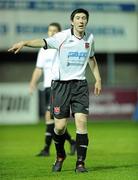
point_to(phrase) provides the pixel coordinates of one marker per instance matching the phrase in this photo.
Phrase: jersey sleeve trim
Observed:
(91, 57)
(45, 47)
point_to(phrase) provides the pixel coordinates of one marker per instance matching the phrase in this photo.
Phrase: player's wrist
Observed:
(24, 43)
(98, 80)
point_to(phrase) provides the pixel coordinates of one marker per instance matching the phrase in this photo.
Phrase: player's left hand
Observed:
(98, 87)
(16, 47)
(32, 88)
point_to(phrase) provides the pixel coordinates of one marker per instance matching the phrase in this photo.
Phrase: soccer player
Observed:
(44, 65)
(75, 48)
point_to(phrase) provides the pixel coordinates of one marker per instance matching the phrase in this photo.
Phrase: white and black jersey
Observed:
(72, 55)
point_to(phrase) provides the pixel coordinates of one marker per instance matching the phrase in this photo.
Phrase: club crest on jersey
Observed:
(87, 45)
(56, 110)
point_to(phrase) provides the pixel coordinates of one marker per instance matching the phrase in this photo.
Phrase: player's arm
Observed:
(34, 80)
(95, 70)
(36, 43)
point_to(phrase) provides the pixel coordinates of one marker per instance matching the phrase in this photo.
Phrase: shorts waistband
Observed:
(73, 80)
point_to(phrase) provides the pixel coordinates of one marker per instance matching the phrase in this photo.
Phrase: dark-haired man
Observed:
(75, 49)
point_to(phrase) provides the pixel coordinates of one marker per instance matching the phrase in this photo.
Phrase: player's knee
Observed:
(47, 116)
(81, 130)
(60, 131)
(81, 126)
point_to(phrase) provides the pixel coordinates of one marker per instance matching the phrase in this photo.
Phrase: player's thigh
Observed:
(80, 98)
(60, 99)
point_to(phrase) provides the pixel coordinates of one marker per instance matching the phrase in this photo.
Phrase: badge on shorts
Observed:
(87, 45)
(56, 110)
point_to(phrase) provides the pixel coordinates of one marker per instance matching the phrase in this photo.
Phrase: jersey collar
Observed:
(72, 33)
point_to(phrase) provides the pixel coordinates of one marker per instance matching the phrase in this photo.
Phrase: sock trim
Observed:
(85, 132)
(48, 134)
(85, 146)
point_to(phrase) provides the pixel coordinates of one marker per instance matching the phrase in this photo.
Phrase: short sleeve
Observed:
(55, 41)
(40, 58)
(92, 49)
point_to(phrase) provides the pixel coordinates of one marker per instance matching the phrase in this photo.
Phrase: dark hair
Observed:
(79, 11)
(56, 25)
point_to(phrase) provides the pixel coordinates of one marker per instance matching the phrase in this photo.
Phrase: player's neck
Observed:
(78, 34)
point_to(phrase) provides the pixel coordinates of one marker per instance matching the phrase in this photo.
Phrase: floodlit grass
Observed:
(112, 153)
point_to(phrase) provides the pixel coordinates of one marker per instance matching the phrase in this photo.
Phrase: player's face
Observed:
(79, 22)
(52, 30)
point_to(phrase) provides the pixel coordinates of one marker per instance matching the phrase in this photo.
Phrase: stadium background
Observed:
(115, 28)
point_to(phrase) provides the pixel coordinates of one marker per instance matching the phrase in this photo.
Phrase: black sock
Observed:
(82, 143)
(49, 136)
(68, 137)
(59, 144)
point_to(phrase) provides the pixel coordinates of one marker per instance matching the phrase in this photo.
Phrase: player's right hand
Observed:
(16, 47)
(97, 89)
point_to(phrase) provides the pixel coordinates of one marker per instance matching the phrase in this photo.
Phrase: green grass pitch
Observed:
(112, 153)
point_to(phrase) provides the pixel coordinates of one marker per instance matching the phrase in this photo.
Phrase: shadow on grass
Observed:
(111, 167)
(99, 168)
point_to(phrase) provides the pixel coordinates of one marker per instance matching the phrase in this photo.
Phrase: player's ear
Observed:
(72, 23)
